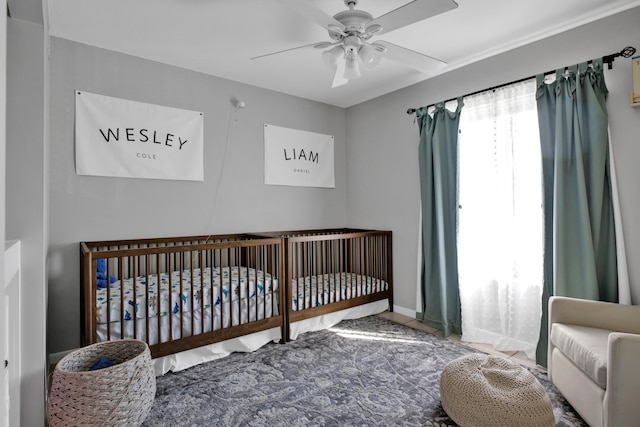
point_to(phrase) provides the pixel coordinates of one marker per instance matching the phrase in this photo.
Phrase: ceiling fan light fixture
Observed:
(372, 63)
(352, 68)
(332, 56)
(367, 55)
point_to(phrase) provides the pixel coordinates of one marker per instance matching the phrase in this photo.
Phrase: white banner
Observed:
(298, 158)
(118, 137)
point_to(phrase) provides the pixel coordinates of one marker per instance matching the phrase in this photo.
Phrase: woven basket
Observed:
(115, 396)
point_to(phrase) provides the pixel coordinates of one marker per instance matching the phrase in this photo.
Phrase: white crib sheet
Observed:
(335, 287)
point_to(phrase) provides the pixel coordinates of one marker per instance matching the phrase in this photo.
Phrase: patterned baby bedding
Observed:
(335, 287)
(180, 325)
(220, 287)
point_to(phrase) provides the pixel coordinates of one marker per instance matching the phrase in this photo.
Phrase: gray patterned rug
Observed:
(364, 372)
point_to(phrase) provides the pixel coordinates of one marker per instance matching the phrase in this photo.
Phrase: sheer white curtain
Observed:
(500, 235)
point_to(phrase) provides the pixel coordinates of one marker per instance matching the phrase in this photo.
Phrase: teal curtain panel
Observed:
(580, 243)
(438, 160)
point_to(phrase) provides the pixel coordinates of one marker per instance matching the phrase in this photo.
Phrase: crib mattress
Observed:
(213, 286)
(334, 287)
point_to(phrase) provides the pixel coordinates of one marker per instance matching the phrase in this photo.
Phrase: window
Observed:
(500, 234)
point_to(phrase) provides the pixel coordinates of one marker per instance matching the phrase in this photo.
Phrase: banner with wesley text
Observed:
(298, 158)
(129, 139)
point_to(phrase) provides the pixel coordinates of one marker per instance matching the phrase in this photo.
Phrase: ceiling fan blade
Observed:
(411, 58)
(286, 50)
(412, 12)
(338, 76)
(314, 14)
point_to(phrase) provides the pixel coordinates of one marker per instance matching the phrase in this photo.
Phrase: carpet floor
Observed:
(363, 372)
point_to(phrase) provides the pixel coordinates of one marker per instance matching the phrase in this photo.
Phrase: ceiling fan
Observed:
(352, 29)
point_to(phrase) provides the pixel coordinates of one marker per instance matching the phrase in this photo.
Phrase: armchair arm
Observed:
(623, 380)
(594, 314)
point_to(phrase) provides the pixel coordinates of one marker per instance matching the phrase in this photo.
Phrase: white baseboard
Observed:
(404, 311)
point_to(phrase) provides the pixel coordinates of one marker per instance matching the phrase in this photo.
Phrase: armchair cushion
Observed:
(586, 347)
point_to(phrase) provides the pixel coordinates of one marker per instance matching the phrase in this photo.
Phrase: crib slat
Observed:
(146, 300)
(156, 304)
(244, 256)
(255, 281)
(167, 268)
(230, 293)
(361, 265)
(108, 307)
(353, 261)
(219, 287)
(340, 267)
(179, 305)
(189, 300)
(120, 278)
(202, 287)
(170, 269)
(314, 260)
(136, 267)
(306, 274)
(331, 272)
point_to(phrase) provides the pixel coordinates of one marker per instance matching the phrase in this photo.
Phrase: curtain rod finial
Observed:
(628, 52)
(411, 110)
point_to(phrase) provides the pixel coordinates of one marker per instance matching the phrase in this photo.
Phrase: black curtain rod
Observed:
(627, 52)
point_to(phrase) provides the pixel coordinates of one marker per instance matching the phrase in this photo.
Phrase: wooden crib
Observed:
(190, 291)
(330, 270)
(195, 291)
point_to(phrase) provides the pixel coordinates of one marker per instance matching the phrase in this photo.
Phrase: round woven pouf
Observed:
(487, 391)
(119, 395)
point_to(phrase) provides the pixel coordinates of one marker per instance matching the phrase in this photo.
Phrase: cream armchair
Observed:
(594, 359)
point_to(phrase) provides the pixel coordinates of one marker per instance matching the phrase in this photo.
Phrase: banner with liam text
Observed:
(129, 139)
(298, 158)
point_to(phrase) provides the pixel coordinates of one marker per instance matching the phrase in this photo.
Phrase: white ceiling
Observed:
(219, 37)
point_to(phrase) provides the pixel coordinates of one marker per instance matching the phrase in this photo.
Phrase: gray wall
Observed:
(232, 197)
(26, 202)
(382, 139)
